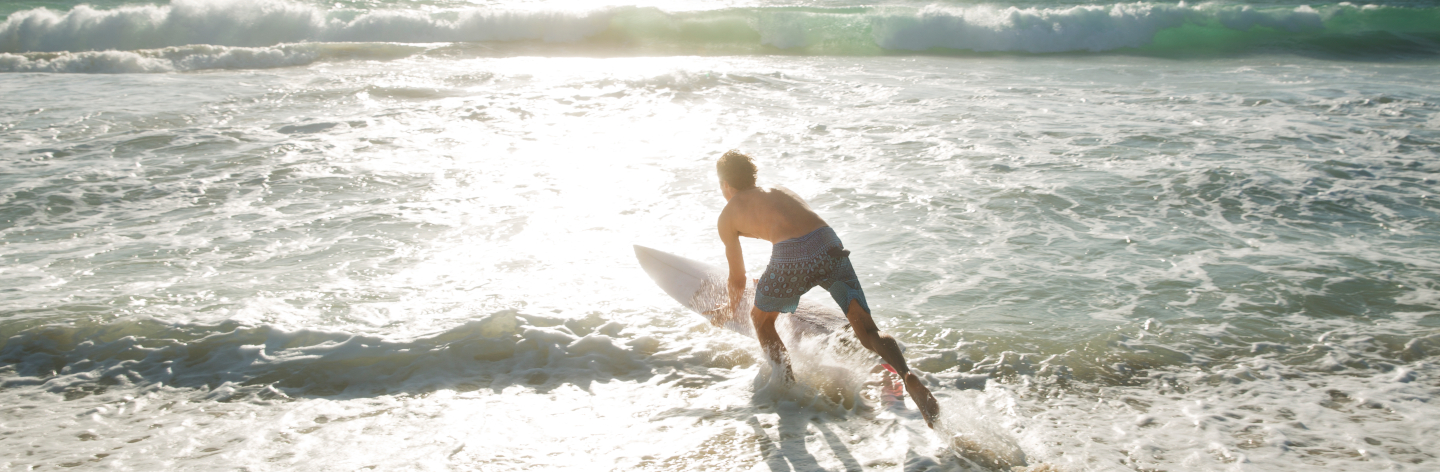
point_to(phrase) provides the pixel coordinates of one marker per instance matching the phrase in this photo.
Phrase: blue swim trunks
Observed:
(796, 265)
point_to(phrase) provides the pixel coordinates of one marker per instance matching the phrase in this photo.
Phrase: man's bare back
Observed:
(773, 214)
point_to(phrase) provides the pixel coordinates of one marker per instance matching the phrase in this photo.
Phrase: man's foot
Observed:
(929, 407)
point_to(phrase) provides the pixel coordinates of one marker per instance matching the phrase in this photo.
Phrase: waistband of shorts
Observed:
(807, 246)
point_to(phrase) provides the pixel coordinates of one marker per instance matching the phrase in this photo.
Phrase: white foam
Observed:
(472, 25)
(104, 61)
(1301, 18)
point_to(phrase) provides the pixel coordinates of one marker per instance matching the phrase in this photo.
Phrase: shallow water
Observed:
(401, 249)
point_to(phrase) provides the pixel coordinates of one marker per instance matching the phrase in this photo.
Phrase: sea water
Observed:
(388, 235)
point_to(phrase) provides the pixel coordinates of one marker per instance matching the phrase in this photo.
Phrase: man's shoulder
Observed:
(777, 194)
(760, 199)
(733, 209)
(772, 193)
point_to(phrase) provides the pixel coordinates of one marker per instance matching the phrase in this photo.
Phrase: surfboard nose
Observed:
(679, 277)
(641, 252)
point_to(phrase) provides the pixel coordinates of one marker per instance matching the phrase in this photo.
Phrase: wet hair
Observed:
(737, 169)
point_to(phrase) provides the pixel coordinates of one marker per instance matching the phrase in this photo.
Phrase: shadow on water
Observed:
(838, 447)
(229, 361)
(782, 440)
(789, 451)
(774, 455)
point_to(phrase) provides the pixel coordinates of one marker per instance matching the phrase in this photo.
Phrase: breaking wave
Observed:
(199, 57)
(501, 349)
(191, 34)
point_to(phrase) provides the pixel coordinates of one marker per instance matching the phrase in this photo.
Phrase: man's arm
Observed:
(736, 286)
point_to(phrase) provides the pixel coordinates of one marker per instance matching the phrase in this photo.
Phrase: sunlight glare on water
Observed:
(282, 235)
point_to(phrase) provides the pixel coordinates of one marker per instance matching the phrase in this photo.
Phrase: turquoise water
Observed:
(1139, 236)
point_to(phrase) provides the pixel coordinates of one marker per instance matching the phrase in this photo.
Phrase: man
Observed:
(806, 253)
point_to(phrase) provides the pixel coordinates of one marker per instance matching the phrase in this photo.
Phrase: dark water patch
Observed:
(307, 128)
(142, 145)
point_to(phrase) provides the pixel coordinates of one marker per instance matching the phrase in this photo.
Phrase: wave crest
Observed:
(272, 22)
(197, 57)
(985, 29)
(1340, 29)
(226, 23)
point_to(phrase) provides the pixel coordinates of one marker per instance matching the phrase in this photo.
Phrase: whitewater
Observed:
(396, 235)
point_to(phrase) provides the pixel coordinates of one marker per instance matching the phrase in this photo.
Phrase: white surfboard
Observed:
(701, 288)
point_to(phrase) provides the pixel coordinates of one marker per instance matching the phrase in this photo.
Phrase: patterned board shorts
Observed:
(797, 265)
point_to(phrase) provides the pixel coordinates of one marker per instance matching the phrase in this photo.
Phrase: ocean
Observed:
(397, 235)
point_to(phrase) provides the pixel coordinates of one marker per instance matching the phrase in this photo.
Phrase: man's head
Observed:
(737, 172)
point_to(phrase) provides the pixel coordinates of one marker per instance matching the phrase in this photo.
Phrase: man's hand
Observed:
(717, 315)
(736, 292)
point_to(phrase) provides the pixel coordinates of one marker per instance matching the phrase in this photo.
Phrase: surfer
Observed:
(806, 253)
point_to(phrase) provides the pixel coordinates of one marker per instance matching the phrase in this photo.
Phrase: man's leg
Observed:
(889, 350)
(770, 339)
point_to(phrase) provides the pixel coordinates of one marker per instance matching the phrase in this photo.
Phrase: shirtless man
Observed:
(806, 253)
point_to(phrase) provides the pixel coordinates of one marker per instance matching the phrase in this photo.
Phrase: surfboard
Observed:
(701, 288)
